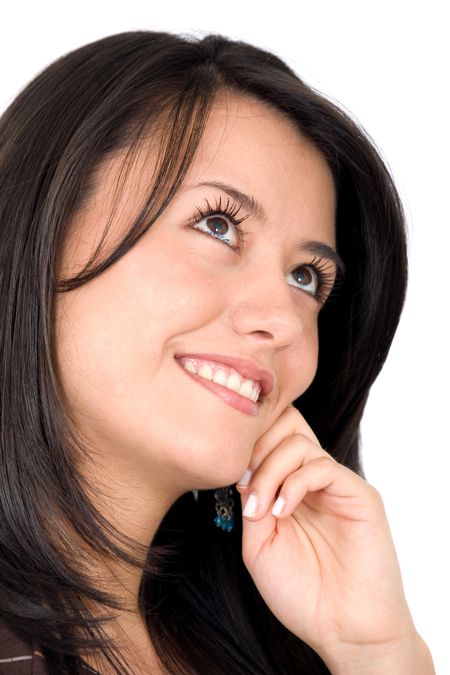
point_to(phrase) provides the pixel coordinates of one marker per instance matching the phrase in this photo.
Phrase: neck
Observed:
(135, 646)
(134, 502)
(136, 508)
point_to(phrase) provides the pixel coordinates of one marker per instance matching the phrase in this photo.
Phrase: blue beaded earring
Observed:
(225, 517)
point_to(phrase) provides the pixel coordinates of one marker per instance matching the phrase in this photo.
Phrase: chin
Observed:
(219, 475)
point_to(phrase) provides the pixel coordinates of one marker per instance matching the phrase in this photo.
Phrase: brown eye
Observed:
(217, 225)
(304, 275)
(307, 279)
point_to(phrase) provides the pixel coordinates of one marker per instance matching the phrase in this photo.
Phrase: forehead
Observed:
(260, 150)
(246, 143)
(239, 123)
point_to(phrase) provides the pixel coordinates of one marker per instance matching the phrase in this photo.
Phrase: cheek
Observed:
(313, 361)
(113, 330)
(170, 294)
(304, 363)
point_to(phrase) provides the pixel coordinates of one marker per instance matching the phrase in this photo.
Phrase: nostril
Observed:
(264, 334)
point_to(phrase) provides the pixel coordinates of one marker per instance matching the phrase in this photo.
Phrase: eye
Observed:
(219, 222)
(218, 227)
(307, 277)
(316, 278)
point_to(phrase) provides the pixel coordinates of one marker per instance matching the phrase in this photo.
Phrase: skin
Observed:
(155, 433)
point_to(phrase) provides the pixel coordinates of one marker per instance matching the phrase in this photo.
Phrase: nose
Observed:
(263, 306)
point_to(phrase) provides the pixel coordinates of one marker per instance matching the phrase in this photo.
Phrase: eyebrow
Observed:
(256, 209)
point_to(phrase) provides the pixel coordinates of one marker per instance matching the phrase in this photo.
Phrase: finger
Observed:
(318, 474)
(291, 454)
(255, 534)
(336, 480)
(289, 423)
(259, 528)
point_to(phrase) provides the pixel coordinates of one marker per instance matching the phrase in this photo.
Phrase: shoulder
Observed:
(19, 656)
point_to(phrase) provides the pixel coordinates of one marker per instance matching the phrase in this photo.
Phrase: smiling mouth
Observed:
(223, 375)
(238, 392)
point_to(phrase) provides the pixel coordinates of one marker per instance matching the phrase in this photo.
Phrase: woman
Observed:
(203, 265)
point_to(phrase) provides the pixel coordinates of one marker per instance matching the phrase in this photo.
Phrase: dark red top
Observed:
(23, 657)
(19, 657)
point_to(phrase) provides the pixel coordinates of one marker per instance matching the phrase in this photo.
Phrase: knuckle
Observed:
(306, 441)
(257, 449)
(376, 495)
(329, 466)
(289, 482)
(327, 460)
(325, 465)
(259, 481)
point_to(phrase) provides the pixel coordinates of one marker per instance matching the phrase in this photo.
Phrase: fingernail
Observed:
(245, 479)
(278, 506)
(250, 507)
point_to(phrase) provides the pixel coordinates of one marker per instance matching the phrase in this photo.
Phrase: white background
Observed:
(388, 64)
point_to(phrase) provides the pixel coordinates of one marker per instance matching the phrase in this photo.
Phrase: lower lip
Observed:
(232, 398)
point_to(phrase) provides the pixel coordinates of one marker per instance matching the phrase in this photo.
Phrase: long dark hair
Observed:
(203, 611)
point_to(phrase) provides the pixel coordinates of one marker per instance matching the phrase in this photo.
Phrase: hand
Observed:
(327, 566)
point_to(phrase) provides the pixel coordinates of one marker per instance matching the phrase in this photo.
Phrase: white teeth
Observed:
(206, 371)
(234, 382)
(188, 365)
(247, 388)
(220, 377)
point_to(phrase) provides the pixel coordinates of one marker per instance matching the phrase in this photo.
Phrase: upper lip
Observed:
(243, 366)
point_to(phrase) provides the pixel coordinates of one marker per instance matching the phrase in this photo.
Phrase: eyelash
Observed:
(325, 278)
(230, 210)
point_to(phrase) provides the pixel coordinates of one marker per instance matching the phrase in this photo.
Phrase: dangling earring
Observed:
(224, 508)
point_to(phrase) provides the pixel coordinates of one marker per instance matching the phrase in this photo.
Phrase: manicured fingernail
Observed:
(245, 479)
(250, 507)
(278, 506)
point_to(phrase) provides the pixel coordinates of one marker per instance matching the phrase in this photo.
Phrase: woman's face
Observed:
(180, 290)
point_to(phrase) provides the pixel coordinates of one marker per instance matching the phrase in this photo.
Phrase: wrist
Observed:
(410, 655)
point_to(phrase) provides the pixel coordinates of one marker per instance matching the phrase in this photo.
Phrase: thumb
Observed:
(256, 531)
